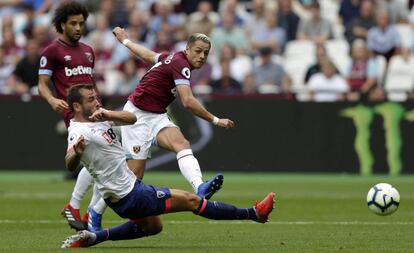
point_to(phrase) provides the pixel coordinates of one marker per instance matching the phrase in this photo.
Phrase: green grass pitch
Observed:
(314, 213)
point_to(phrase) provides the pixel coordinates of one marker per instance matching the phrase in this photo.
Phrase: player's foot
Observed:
(94, 221)
(81, 239)
(264, 207)
(207, 189)
(72, 215)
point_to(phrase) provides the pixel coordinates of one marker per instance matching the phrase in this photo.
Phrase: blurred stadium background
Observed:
(319, 90)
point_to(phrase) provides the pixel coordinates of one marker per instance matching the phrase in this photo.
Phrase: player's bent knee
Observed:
(181, 144)
(185, 143)
(154, 229)
(151, 225)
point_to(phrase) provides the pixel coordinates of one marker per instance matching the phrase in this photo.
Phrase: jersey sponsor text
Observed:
(80, 70)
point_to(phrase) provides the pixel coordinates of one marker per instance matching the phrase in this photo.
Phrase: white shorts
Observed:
(138, 138)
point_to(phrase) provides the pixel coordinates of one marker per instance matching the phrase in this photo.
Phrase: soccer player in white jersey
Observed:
(92, 140)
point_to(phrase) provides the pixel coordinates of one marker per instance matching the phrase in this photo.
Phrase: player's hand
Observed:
(100, 115)
(120, 33)
(59, 105)
(80, 145)
(225, 123)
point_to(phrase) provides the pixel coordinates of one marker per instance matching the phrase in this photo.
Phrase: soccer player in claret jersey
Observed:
(92, 140)
(168, 78)
(65, 62)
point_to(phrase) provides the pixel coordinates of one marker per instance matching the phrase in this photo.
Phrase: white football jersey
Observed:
(104, 157)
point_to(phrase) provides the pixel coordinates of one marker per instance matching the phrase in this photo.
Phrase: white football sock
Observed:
(97, 202)
(83, 182)
(96, 196)
(100, 206)
(190, 168)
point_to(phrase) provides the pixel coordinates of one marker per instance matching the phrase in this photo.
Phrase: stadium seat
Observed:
(268, 89)
(338, 30)
(299, 55)
(202, 89)
(299, 49)
(1, 31)
(337, 47)
(405, 32)
(400, 78)
(338, 51)
(296, 69)
(303, 94)
(342, 62)
(329, 10)
(404, 2)
(112, 80)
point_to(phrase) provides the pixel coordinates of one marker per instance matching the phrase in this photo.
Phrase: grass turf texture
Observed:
(314, 213)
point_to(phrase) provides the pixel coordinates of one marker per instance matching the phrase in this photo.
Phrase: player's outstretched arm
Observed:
(194, 106)
(57, 105)
(118, 117)
(74, 153)
(140, 51)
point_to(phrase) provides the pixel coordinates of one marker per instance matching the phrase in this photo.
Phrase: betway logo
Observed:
(79, 70)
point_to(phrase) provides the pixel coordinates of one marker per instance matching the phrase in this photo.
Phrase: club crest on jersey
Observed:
(43, 61)
(89, 57)
(67, 57)
(186, 72)
(160, 194)
(136, 149)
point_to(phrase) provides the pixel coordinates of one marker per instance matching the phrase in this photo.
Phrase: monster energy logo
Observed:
(392, 114)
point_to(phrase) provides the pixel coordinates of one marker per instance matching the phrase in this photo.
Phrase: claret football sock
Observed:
(222, 211)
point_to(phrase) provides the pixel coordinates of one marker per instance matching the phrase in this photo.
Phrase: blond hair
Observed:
(198, 36)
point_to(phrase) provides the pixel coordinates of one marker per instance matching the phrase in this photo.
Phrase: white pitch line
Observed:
(282, 196)
(183, 222)
(37, 195)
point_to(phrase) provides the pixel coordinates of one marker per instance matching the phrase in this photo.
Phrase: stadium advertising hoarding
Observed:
(270, 135)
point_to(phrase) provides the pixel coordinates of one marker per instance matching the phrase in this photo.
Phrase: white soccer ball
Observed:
(383, 199)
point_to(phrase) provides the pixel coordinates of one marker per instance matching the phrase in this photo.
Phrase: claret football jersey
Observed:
(157, 88)
(67, 65)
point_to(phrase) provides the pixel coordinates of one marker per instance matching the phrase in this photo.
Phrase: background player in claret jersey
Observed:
(66, 62)
(168, 78)
(92, 140)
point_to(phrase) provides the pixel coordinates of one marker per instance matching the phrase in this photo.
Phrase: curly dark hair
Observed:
(68, 9)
